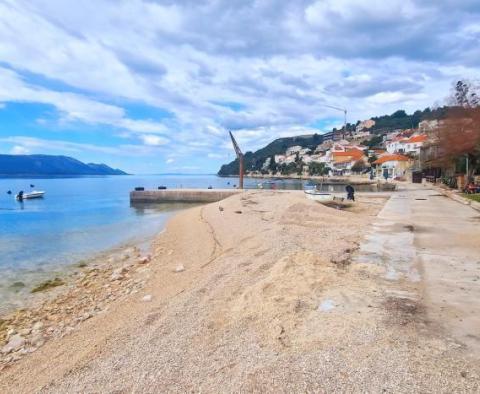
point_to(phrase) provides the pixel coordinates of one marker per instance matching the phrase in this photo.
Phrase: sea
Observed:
(86, 217)
(82, 217)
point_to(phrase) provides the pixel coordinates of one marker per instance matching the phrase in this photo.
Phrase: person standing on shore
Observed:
(350, 192)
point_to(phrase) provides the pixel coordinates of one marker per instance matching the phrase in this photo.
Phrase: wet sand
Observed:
(257, 293)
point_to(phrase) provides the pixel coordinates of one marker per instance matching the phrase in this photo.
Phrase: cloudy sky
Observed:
(153, 86)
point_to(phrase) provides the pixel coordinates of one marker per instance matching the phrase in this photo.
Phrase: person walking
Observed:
(350, 192)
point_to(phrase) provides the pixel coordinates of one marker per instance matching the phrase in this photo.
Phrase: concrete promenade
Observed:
(429, 246)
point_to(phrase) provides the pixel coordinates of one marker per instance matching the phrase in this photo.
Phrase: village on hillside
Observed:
(400, 155)
(396, 156)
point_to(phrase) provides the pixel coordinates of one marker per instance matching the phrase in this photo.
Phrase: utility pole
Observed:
(239, 154)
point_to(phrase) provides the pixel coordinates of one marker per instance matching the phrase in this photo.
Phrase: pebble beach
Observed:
(257, 293)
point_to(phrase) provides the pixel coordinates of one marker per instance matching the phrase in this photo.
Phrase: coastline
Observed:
(108, 279)
(258, 292)
(21, 293)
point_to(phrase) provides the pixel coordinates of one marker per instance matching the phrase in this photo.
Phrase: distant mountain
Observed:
(51, 165)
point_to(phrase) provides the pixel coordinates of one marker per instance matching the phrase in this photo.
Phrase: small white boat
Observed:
(28, 196)
(316, 195)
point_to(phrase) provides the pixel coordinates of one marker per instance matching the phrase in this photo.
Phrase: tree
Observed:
(359, 166)
(317, 169)
(459, 134)
(465, 94)
(272, 165)
(372, 158)
(374, 141)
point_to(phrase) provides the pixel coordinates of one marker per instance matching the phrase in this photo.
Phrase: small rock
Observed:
(239, 212)
(11, 332)
(15, 343)
(25, 331)
(119, 273)
(180, 268)
(147, 298)
(37, 326)
(144, 259)
(37, 340)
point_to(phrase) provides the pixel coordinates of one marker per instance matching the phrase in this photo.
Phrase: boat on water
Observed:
(28, 196)
(266, 184)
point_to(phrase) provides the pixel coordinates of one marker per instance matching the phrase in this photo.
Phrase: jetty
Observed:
(181, 195)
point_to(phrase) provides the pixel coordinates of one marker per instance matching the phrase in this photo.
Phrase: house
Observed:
(293, 150)
(426, 126)
(414, 143)
(366, 124)
(342, 162)
(392, 166)
(401, 144)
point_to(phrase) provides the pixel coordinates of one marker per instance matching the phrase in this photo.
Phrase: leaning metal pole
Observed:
(239, 154)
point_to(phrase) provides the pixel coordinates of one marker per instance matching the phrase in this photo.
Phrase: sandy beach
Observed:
(261, 292)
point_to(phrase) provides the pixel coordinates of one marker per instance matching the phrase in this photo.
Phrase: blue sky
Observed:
(154, 86)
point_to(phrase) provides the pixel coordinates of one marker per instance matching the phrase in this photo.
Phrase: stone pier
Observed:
(181, 195)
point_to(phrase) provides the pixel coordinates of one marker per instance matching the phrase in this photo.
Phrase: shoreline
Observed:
(356, 180)
(260, 292)
(21, 292)
(91, 291)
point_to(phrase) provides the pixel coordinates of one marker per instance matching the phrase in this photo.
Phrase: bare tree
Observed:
(465, 94)
(459, 133)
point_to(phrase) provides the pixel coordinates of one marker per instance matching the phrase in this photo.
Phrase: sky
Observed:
(154, 86)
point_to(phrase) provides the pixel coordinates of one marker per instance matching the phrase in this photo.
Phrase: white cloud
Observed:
(39, 145)
(153, 140)
(262, 69)
(19, 150)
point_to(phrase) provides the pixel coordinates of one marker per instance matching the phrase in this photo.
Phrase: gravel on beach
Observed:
(266, 300)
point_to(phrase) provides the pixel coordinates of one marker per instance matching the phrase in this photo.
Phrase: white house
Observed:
(292, 150)
(391, 166)
(406, 145)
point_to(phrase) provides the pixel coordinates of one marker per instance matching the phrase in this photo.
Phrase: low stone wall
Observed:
(182, 195)
(456, 196)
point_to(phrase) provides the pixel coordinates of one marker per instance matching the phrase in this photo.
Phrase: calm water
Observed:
(83, 216)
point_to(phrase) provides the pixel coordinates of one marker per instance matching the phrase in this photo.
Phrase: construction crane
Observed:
(239, 154)
(344, 114)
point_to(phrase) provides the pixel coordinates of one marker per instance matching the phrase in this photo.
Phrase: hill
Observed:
(254, 160)
(399, 120)
(51, 165)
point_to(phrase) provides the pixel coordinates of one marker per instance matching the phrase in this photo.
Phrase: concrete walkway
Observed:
(429, 247)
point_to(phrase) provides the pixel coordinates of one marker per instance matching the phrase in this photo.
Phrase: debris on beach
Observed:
(48, 284)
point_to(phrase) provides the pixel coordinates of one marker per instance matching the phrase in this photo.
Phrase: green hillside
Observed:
(255, 160)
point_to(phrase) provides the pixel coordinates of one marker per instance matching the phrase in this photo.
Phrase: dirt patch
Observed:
(403, 311)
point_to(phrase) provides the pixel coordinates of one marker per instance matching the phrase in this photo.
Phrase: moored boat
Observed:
(318, 196)
(28, 196)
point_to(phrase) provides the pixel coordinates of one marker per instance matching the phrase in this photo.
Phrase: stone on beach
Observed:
(15, 343)
(118, 273)
(179, 268)
(147, 298)
(144, 259)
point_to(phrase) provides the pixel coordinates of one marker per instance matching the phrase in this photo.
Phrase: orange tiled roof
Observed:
(416, 138)
(350, 153)
(385, 158)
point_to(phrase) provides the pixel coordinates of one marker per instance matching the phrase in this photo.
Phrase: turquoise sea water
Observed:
(80, 217)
